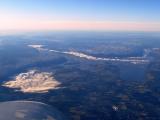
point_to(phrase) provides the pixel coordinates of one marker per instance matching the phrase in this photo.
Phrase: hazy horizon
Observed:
(79, 15)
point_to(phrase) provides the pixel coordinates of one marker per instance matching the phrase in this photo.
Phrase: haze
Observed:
(110, 15)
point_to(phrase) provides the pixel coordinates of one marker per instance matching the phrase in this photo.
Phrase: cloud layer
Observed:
(134, 60)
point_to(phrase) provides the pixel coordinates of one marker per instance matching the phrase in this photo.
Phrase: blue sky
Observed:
(129, 11)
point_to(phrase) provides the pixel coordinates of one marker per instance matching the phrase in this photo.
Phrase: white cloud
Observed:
(134, 60)
(37, 47)
(33, 82)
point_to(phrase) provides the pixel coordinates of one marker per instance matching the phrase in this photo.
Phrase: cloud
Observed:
(37, 47)
(134, 60)
(33, 82)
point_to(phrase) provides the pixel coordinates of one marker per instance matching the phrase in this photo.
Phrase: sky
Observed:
(99, 15)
